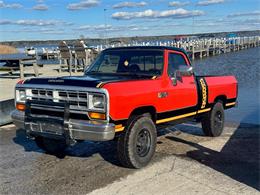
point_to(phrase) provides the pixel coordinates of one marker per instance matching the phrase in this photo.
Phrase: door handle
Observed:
(192, 82)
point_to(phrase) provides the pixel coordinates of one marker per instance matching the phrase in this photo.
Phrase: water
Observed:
(245, 66)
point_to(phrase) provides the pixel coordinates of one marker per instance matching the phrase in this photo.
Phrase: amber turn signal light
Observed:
(96, 115)
(20, 107)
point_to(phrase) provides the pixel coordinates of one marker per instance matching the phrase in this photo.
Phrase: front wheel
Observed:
(213, 122)
(136, 146)
(51, 146)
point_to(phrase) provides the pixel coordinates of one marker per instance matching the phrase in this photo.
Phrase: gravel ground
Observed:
(185, 162)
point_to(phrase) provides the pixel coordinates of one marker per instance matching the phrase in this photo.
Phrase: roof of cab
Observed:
(148, 47)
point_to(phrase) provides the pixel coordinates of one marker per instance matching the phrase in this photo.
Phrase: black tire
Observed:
(136, 146)
(213, 122)
(51, 146)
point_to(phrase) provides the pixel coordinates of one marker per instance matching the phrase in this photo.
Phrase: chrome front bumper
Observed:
(77, 129)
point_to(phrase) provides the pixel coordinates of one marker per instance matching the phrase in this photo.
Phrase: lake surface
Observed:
(245, 65)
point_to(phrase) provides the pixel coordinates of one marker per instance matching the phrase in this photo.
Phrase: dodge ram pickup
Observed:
(123, 95)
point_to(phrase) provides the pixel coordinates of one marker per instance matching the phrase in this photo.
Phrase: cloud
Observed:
(178, 3)
(41, 7)
(34, 22)
(41, 31)
(11, 6)
(252, 22)
(83, 5)
(210, 2)
(128, 4)
(102, 28)
(177, 13)
(242, 14)
(5, 22)
(95, 27)
(227, 22)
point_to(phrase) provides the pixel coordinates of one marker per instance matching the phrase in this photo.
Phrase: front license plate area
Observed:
(48, 126)
(45, 117)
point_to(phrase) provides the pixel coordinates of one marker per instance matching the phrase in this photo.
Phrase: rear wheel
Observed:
(51, 146)
(213, 122)
(136, 146)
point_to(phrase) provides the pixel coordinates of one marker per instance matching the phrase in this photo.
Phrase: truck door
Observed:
(183, 94)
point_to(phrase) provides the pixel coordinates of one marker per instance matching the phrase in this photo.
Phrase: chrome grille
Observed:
(77, 100)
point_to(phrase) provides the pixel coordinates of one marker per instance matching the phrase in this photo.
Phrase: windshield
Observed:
(128, 62)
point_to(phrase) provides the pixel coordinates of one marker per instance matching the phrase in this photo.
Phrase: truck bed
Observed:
(223, 87)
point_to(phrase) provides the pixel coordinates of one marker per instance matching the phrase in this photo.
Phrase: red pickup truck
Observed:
(123, 95)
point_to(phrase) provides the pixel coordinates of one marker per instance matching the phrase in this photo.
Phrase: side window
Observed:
(174, 62)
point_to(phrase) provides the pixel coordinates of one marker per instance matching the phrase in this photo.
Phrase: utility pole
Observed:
(105, 20)
(192, 25)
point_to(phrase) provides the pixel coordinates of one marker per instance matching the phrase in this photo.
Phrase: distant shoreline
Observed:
(98, 41)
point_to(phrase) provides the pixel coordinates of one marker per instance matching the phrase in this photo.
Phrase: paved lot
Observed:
(185, 163)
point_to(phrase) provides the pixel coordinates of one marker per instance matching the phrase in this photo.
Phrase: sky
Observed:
(74, 19)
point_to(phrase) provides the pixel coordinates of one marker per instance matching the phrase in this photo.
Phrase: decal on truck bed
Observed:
(202, 93)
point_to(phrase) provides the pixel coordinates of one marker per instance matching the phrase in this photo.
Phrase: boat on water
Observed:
(49, 53)
(31, 51)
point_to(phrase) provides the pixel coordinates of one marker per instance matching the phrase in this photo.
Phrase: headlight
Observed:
(96, 102)
(20, 96)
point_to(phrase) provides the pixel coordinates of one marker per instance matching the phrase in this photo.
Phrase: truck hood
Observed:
(81, 81)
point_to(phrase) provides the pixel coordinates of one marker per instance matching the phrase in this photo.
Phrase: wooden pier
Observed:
(199, 48)
(206, 47)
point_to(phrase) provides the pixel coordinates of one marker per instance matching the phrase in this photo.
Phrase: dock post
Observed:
(208, 45)
(238, 44)
(193, 52)
(214, 47)
(225, 46)
(201, 48)
(21, 69)
(47, 54)
(75, 63)
(35, 69)
(60, 63)
(70, 65)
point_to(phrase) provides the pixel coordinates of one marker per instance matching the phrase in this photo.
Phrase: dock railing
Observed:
(199, 48)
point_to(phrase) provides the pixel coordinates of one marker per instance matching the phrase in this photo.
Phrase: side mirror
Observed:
(174, 80)
(185, 70)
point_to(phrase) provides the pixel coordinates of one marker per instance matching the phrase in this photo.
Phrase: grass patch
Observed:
(5, 49)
